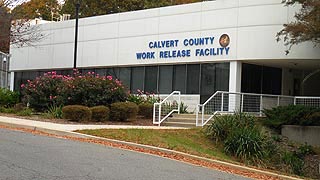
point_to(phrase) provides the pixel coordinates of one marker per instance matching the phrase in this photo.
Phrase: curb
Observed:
(85, 136)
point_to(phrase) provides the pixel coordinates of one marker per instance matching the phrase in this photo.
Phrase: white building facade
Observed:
(195, 48)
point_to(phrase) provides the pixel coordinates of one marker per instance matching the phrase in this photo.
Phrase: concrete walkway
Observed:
(71, 127)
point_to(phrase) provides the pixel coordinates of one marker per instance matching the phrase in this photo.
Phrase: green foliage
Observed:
(296, 163)
(291, 115)
(222, 126)
(239, 135)
(121, 111)
(8, 98)
(25, 112)
(100, 113)
(245, 143)
(55, 111)
(146, 110)
(137, 99)
(7, 110)
(183, 108)
(77, 113)
(143, 97)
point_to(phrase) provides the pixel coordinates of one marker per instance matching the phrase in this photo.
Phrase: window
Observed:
(165, 79)
(137, 79)
(151, 77)
(125, 76)
(208, 78)
(193, 72)
(222, 77)
(114, 72)
(214, 77)
(179, 78)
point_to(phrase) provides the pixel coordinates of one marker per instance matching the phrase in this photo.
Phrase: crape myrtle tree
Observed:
(306, 26)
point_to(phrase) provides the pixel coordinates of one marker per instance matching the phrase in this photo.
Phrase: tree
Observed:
(306, 27)
(44, 9)
(16, 32)
(4, 30)
(100, 7)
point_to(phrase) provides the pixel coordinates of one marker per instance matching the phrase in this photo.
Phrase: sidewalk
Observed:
(71, 127)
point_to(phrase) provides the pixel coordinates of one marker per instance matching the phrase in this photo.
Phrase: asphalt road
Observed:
(26, 156)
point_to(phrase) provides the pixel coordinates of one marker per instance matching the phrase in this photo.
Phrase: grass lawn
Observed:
(192, 141)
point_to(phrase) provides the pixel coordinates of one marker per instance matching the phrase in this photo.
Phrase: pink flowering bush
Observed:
(44, 90)
(93, 90)
(81, 89)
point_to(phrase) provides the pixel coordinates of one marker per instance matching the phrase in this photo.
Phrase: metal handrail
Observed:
(158, 117)
(262, 101)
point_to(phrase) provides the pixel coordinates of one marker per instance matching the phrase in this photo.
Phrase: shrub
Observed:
(44, 91)
(8, 98)
(146, 110)
(222, 126)
(25, 112)
(143, 97)
(55, 111)
(19, 107)
(245, 143)
(239, 135)
(100, 113)
(94, 90)
(88, 89)
(296, 163)
(291, 115)
(183, 108)
(7, 110)
(121, 111)
(76, 113)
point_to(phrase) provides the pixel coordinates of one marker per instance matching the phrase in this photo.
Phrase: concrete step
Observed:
(179, 124)
(175, 115)
(191, 116)
(186, 120)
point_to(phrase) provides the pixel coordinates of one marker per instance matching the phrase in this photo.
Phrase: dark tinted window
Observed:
(165, 79)
(193, 72)
(151, 77)
(125, 76)
(137, 79)
(179, 78)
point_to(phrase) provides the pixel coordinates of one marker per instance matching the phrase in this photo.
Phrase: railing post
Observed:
(241, 108)
(222, 102)
(197, 114)
(202, 115)
(294, 101)
(261, 105)
(179, 102)
(159, 114)
(278, 104)
(154, 113)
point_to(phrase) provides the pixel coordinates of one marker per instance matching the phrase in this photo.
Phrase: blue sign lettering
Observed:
(207, 48)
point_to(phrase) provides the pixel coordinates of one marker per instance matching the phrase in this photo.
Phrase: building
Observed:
(195, 48)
